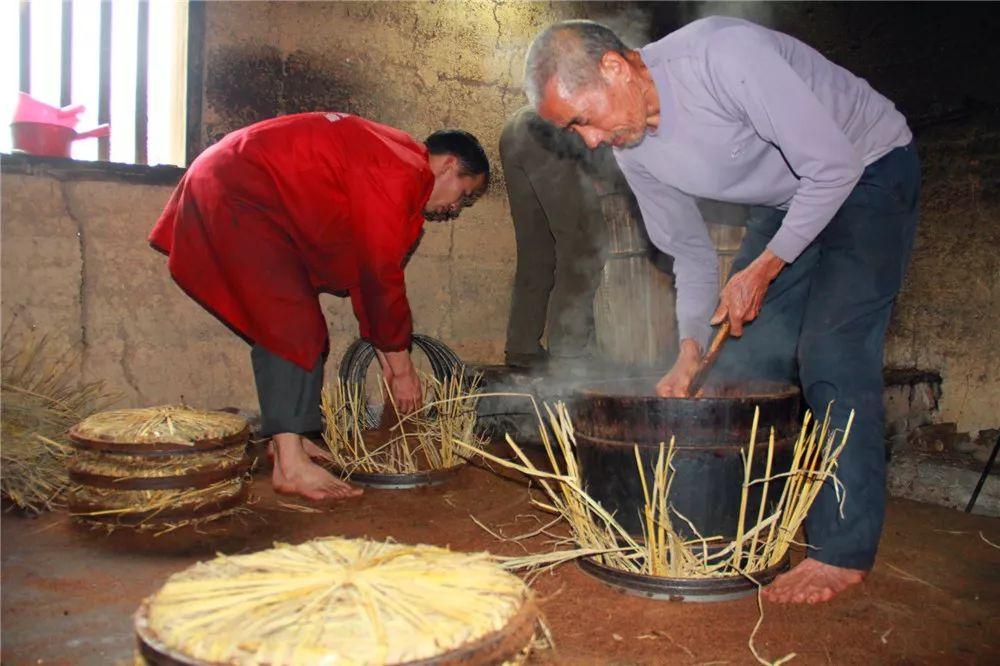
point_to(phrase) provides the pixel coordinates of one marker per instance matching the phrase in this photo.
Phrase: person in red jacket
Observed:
(276, 213)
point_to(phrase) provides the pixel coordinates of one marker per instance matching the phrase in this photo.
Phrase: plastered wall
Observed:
(75, 262)
(418, 66)
(76, 267)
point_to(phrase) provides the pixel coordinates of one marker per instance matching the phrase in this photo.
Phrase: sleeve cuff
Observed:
(392, 347)
(699, 331)
(787, 244)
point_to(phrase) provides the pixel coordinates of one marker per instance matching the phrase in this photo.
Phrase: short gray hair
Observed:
(568, 51)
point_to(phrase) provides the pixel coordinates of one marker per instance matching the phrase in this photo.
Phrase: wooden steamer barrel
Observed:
(726, 239)
(634, 306)
(153, 482)
(612, 417)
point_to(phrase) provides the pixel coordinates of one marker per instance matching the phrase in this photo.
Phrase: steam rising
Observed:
(758, 12)
(633, 25)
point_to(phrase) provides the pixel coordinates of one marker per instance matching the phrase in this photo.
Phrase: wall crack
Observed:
(81, 237)
(126, 360)
(496, 18)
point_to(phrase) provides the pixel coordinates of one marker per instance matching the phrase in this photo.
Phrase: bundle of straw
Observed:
(41, 397)
(421, 441)
(593, 532)
(333, 601)
(168, 424)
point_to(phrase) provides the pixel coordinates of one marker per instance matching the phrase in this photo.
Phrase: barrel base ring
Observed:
(698, 590)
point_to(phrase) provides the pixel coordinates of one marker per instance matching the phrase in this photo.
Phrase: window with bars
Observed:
(126, 61)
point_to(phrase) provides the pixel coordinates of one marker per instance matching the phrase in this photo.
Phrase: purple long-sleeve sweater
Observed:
(749, 115)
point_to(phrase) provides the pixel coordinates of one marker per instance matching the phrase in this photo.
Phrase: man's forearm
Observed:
(696, 272)
(398, 362)
(696, 302)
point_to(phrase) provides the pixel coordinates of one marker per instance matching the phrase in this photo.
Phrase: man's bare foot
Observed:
(315, 451)
(811, 582)
(296, 474)
(312, 449)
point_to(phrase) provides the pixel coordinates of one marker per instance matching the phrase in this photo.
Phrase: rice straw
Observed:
(661, 550)
(334, 600)
(420, 441)
(41, 396)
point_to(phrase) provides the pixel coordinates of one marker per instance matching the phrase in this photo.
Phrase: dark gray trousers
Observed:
(823, 323)
(289, 396)
(561, 247)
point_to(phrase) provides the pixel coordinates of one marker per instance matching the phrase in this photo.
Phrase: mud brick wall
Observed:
(75, 262)
(414, 65)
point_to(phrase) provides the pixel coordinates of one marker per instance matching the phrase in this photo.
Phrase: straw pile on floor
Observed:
(593, 532)
(197, 485)
(421, 441)
(41, 397)
(335, 601)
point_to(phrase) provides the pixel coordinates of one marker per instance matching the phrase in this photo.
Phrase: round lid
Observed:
(335, 601)
(168, 424)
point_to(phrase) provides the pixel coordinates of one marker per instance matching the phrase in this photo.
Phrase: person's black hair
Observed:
(472, 158)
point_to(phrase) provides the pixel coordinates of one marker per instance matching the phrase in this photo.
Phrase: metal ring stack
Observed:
(354, 366)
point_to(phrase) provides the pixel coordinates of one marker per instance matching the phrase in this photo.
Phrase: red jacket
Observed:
(275, 213)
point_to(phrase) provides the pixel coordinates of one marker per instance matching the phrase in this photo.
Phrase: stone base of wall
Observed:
(944, 479)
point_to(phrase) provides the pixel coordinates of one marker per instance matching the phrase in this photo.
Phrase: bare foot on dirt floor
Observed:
(312, 449)
(296, 474)
(811, 582)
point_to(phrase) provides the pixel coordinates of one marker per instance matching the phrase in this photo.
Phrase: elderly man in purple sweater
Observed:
(725, 109)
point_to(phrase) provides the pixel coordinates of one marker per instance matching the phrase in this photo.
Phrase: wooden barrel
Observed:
(727, 241)
(634, 306)
(726, 226)
(611, 418)
(150, 485)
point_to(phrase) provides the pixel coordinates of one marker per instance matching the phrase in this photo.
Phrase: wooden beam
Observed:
(142, 85)
(195, 77)
(104, 81)
(24, 14)
(66, 70)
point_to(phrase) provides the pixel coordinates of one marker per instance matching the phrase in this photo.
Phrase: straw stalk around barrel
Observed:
(423, 440)
(662, 551)
(40, 398)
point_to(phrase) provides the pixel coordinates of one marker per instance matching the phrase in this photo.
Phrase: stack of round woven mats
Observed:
(158, 468)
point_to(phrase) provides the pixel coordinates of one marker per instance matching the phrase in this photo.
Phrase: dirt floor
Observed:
(934, 596)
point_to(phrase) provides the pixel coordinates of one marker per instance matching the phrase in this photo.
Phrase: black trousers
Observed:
(823, 325)
(562, 241)
(289, 396)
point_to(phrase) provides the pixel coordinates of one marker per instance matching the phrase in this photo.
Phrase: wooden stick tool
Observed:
(708, 360)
